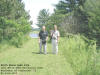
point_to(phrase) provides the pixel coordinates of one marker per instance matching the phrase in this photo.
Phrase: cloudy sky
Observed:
(34, 6)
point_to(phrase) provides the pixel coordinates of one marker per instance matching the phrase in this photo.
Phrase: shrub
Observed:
(80, 53)
(17, 40)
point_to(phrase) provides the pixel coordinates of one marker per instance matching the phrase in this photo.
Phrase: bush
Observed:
(18, 40)
(80, 53)
(12, 31)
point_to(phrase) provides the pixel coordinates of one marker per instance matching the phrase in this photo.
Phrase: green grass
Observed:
(27, 54)
(81, 54)
(98, 63)
(71, 59)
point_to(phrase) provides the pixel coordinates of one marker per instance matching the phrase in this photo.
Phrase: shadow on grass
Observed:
(41, 53)
(36, 52)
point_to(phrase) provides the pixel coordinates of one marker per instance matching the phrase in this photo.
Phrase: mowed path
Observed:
(28, 54)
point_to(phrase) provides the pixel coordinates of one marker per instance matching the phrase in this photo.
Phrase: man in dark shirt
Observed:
(43, 36)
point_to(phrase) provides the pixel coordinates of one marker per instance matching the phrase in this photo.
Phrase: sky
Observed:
(34, 6)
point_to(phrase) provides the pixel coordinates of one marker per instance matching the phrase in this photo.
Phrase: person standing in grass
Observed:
(55, 39)
(43, 36)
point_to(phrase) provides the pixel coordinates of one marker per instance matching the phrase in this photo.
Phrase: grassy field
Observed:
(67, 62)
(28, 54)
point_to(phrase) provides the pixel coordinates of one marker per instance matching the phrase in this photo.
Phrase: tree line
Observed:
(74, 17)
(14, 21)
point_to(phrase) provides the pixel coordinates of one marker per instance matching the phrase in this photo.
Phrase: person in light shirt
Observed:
(55, 39)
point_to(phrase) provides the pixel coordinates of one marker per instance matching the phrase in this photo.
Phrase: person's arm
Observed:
(51, 34)
(39, 38)
(58, 36)
(46, 38)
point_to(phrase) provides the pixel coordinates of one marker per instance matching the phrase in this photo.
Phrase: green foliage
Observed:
(68, 16)
(77, 17)
(67, 6)
(43, 17)
(81, 54)
(92, 8)
(14, 21)
(17, 41)
(54, 19)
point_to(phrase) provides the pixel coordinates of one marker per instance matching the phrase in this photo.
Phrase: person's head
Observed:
(55, 27)
(43, 28)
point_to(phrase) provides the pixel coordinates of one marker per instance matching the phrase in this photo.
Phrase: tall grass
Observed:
(80, 53)
(15, 41)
